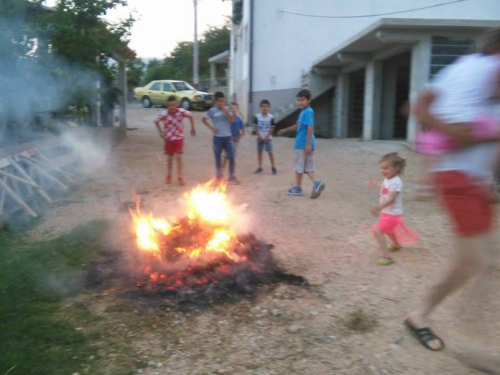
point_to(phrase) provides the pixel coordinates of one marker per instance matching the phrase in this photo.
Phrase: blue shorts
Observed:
(261, 146)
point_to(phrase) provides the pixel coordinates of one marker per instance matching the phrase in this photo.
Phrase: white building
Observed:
(361, 59)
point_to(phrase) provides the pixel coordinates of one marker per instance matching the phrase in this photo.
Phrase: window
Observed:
(156, 86)
(183, 86)
(445, 50)
(167, 87)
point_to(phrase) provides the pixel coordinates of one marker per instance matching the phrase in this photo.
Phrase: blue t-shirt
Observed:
(306, 119)
(220, 121)
(237, 126)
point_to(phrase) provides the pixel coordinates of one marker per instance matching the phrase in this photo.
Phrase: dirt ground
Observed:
(348, 322)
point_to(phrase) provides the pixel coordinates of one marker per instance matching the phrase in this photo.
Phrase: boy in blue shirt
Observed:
(237, 131)
(305, 145)
(222, 117)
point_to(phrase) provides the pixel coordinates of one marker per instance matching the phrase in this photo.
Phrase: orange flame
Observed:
(208, 208)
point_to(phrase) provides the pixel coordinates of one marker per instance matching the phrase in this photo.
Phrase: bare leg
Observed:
(466, 263)
(179, 167)
(298, 179)
(380, 237)
(259, 158)
(394, 241)
(311, 175)
(170, 164)
(271, 158)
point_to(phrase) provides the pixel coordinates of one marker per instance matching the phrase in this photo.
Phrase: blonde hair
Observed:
(489, 42)
(395, 161)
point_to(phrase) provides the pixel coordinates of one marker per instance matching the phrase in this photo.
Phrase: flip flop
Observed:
(424, 336)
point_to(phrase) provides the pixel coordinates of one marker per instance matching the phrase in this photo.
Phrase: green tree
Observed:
(135, 72)
(179, 64)
(85, 42)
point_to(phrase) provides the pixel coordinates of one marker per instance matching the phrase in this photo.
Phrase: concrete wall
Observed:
(239, 60)
(285, 45)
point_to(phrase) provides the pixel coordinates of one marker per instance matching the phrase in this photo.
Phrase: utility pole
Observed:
(196, 58)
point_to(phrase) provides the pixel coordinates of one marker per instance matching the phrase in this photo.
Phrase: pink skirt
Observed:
(394, 225)
(433, 142)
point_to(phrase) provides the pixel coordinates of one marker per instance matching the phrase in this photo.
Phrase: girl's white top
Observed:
(395, 184)
(465, 92)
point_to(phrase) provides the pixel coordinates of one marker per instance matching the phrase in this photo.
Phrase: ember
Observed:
(201, 257)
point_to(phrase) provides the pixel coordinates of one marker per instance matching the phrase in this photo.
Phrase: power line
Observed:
(375, 15)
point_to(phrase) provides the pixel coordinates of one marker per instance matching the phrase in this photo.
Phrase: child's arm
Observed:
(461, 133)
(207, 124)
(310, 131)
(193, 130)
(289, 129)
(390, 201)
(271, 131)
(160, 131)
(229, 114)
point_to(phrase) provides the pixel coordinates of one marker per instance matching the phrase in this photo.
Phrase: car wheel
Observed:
(185, 104)
(146, 102)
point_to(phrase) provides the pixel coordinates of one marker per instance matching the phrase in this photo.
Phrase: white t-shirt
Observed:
(264, 124)
(395, 184)
(464, 94)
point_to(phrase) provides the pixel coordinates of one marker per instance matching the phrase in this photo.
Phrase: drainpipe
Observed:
(250, 76)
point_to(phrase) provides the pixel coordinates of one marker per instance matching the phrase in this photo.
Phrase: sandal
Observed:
(383, 261)
(168, 181)
(181, 182)
(424, 335)
(394, 249)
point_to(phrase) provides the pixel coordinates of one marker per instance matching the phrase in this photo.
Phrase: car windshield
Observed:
(182, 86)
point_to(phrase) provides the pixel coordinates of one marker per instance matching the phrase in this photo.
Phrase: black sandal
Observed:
(424, 335)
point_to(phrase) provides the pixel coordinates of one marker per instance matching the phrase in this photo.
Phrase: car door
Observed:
(154, 93)
(168, 89)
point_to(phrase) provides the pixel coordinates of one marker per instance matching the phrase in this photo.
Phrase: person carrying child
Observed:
(305, 146)
(264, 128)
(173, 135)
(456, 108)
(390, 209)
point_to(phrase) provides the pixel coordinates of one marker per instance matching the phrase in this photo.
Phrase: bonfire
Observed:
(202, 253)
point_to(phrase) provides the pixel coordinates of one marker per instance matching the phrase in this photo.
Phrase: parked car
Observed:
(157, 92)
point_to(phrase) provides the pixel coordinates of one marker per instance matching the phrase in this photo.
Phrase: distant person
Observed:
(390, 209)
(237, 131)
(264, 128)
(221, 116)
(462, 94)
(305, 146)
(173, 135)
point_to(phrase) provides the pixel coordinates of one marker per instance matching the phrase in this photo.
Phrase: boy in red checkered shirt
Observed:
(173, 134)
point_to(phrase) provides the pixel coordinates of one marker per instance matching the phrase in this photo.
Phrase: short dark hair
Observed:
(265, 102)
(304, 93)
(219, 95)
(172, 98)
(234, 103)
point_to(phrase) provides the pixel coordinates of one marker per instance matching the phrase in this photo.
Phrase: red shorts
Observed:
(467, 203)
(174, 147)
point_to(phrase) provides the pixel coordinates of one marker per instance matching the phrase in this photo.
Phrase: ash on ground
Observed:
(197, 286)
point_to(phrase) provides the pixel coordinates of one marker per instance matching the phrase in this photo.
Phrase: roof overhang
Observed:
(391, 36)
(221, 58)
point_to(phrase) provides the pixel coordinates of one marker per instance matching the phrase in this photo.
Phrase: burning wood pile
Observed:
(201, 257)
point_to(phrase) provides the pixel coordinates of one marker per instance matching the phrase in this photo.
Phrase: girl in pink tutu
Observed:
(390, 210)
